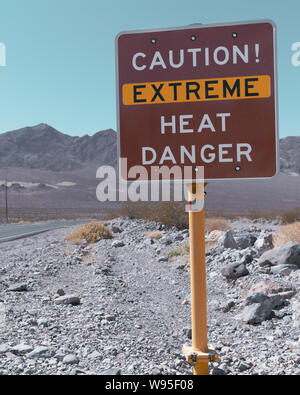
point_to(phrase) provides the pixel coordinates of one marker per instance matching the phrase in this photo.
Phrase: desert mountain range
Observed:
(46, 168)
(45, 148)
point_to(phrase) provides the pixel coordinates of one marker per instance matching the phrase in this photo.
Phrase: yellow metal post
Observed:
(198, 287)
(199, 354)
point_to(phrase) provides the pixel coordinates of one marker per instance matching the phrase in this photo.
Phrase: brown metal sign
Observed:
(202, 95)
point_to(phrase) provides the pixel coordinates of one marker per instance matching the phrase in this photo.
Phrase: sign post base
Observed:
(200, 359)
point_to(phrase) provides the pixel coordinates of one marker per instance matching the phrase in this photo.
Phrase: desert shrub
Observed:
(174, 214)
(290, 232)
(290, 216)
(135, 210)
(154, 235)
(111, 216)
(212, 223)
(170, 214)
(174, 252)
(184, 249)
(166, 213)
(284, 216)
(269, 215)
(92, 232)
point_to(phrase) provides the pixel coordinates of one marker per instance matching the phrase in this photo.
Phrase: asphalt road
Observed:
(10, 232)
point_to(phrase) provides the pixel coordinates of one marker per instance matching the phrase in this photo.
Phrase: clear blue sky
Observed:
(61, 64)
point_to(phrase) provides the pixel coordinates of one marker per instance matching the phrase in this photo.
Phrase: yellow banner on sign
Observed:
(232, 88)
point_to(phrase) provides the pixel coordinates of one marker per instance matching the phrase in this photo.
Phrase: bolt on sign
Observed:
(201, 95)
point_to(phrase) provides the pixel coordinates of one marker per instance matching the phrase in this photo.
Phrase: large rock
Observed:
(286, 254)
(256, 313)
(227, 240)
(264, 242)
(245, 241)
(272, 300)
(259, 307)
(234, 270)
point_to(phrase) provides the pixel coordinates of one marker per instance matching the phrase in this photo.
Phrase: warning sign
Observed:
(204, 95)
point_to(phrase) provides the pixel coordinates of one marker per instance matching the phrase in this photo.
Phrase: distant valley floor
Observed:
(75, 195)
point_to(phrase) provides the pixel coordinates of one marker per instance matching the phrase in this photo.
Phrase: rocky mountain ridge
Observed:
(45, 148)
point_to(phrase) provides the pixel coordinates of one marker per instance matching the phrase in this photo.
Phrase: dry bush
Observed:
(111, 216)
(184, 249)
(75, 240)
(212, 223)
(171, 214)
(135, 210)
(284, 216)
(287, 233)
(174, 252)
(92, 232)
(257, 214)
(290, 216)
(166, 213)
(155, 235)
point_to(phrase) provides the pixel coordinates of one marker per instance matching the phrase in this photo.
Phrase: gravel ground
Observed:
(121, 305)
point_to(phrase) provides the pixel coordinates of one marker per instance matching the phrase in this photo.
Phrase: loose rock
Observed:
(41, 352)
(227, 240)
(286, 254)
(117, 244)
(68, 299)
(264, 242)
(70, 359)
(18, 288)
(234, 271)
